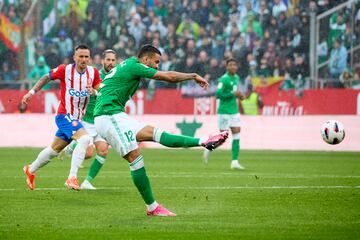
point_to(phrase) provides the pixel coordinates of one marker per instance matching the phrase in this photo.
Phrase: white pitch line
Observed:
(198, 188)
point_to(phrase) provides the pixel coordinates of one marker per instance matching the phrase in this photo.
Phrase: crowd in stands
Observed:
(268, 38)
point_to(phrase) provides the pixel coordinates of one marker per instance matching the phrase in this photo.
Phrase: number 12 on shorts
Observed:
(129, 136)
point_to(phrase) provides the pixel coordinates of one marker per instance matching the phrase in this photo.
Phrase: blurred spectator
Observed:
(263, 70)
(252, 104)
(157, 25)
(38, 71)
(336, 29)
(64, 44)
(278, 7)
(349, 79)
(322, 51)
(264, 15)
(111, 33)
(52, 56)
(7, 74)
(218, 48)
(203, 60)
(204, 13)
(189, 25)
(161, 10)
(96, 61)
(136, 28)
(337, 61)
(277, 69)
(349, 37)
(255, 26)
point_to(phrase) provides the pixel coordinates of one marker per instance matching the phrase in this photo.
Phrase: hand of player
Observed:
(239, 95)
(90, 90)
(201, 81)
(26, 98)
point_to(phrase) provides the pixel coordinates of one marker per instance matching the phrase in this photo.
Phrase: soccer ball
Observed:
(333, 132)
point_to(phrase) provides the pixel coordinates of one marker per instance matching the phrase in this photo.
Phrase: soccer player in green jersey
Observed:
(228, 111)
(123, 133)
(101, 146)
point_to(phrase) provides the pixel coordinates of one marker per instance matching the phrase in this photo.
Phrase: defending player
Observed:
(228, 112)
(78, 81)
(123, 133)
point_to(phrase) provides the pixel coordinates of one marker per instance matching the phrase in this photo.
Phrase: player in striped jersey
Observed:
(77, 82)
(101, 146)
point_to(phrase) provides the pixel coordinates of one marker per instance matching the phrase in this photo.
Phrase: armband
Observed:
(32, 91)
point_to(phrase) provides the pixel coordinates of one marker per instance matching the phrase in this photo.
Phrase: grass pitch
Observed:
(280, 195)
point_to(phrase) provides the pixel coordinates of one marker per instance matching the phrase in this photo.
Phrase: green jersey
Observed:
(119, 86)
(225, 93)
(89, 113)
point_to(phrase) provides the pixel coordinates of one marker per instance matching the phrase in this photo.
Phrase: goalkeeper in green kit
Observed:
(123, 133)
(228, 111)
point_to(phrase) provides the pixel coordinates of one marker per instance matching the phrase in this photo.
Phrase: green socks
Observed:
(235, 149)
(141, 180)
(95, 167)
(171, 140)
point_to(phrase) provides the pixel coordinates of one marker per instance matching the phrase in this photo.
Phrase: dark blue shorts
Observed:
(67, 126)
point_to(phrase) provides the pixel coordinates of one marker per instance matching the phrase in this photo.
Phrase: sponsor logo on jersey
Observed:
(76, 93)
(74, 123)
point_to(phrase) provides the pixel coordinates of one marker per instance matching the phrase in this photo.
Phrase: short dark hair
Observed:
(229, 60)
(148, 49)
(103, 55)
(81, 46)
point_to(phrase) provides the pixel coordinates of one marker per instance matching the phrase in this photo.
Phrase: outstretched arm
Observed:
(175, 77)
(38, 86)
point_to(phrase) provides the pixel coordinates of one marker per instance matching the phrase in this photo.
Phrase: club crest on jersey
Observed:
(74, 123)
(76, 93)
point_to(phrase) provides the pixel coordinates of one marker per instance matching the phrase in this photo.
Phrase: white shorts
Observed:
(225, 121)
(91, 130)
(119, 130)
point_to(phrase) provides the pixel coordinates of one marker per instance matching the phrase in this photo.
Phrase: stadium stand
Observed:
(268, 38)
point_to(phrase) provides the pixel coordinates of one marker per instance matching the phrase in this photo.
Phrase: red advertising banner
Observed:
(170, 101)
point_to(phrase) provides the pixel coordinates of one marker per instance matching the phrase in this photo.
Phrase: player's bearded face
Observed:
(153, 61)
(82, 58)
(109, 61)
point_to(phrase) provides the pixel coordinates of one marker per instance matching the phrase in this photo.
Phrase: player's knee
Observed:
(102, 151)
(131, 156)
(84, 140)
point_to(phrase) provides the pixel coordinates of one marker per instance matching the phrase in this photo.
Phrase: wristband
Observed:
(32, 91)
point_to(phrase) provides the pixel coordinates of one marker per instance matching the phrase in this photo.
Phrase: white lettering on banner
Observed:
(51, 102)
(130, 104)
(136, 107)
(358, 104)
(140, 103)
(204, 106)
(283, 109)
(2, 109)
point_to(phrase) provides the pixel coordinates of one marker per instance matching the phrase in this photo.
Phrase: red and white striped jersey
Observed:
(74, 97)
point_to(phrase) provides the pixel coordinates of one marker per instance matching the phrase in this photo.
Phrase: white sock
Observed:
(79, 154)
(152, 206)
(43, 158)
(157, 134)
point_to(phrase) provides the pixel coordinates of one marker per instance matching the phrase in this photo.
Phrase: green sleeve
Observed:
(221, 92)
(141, 70)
